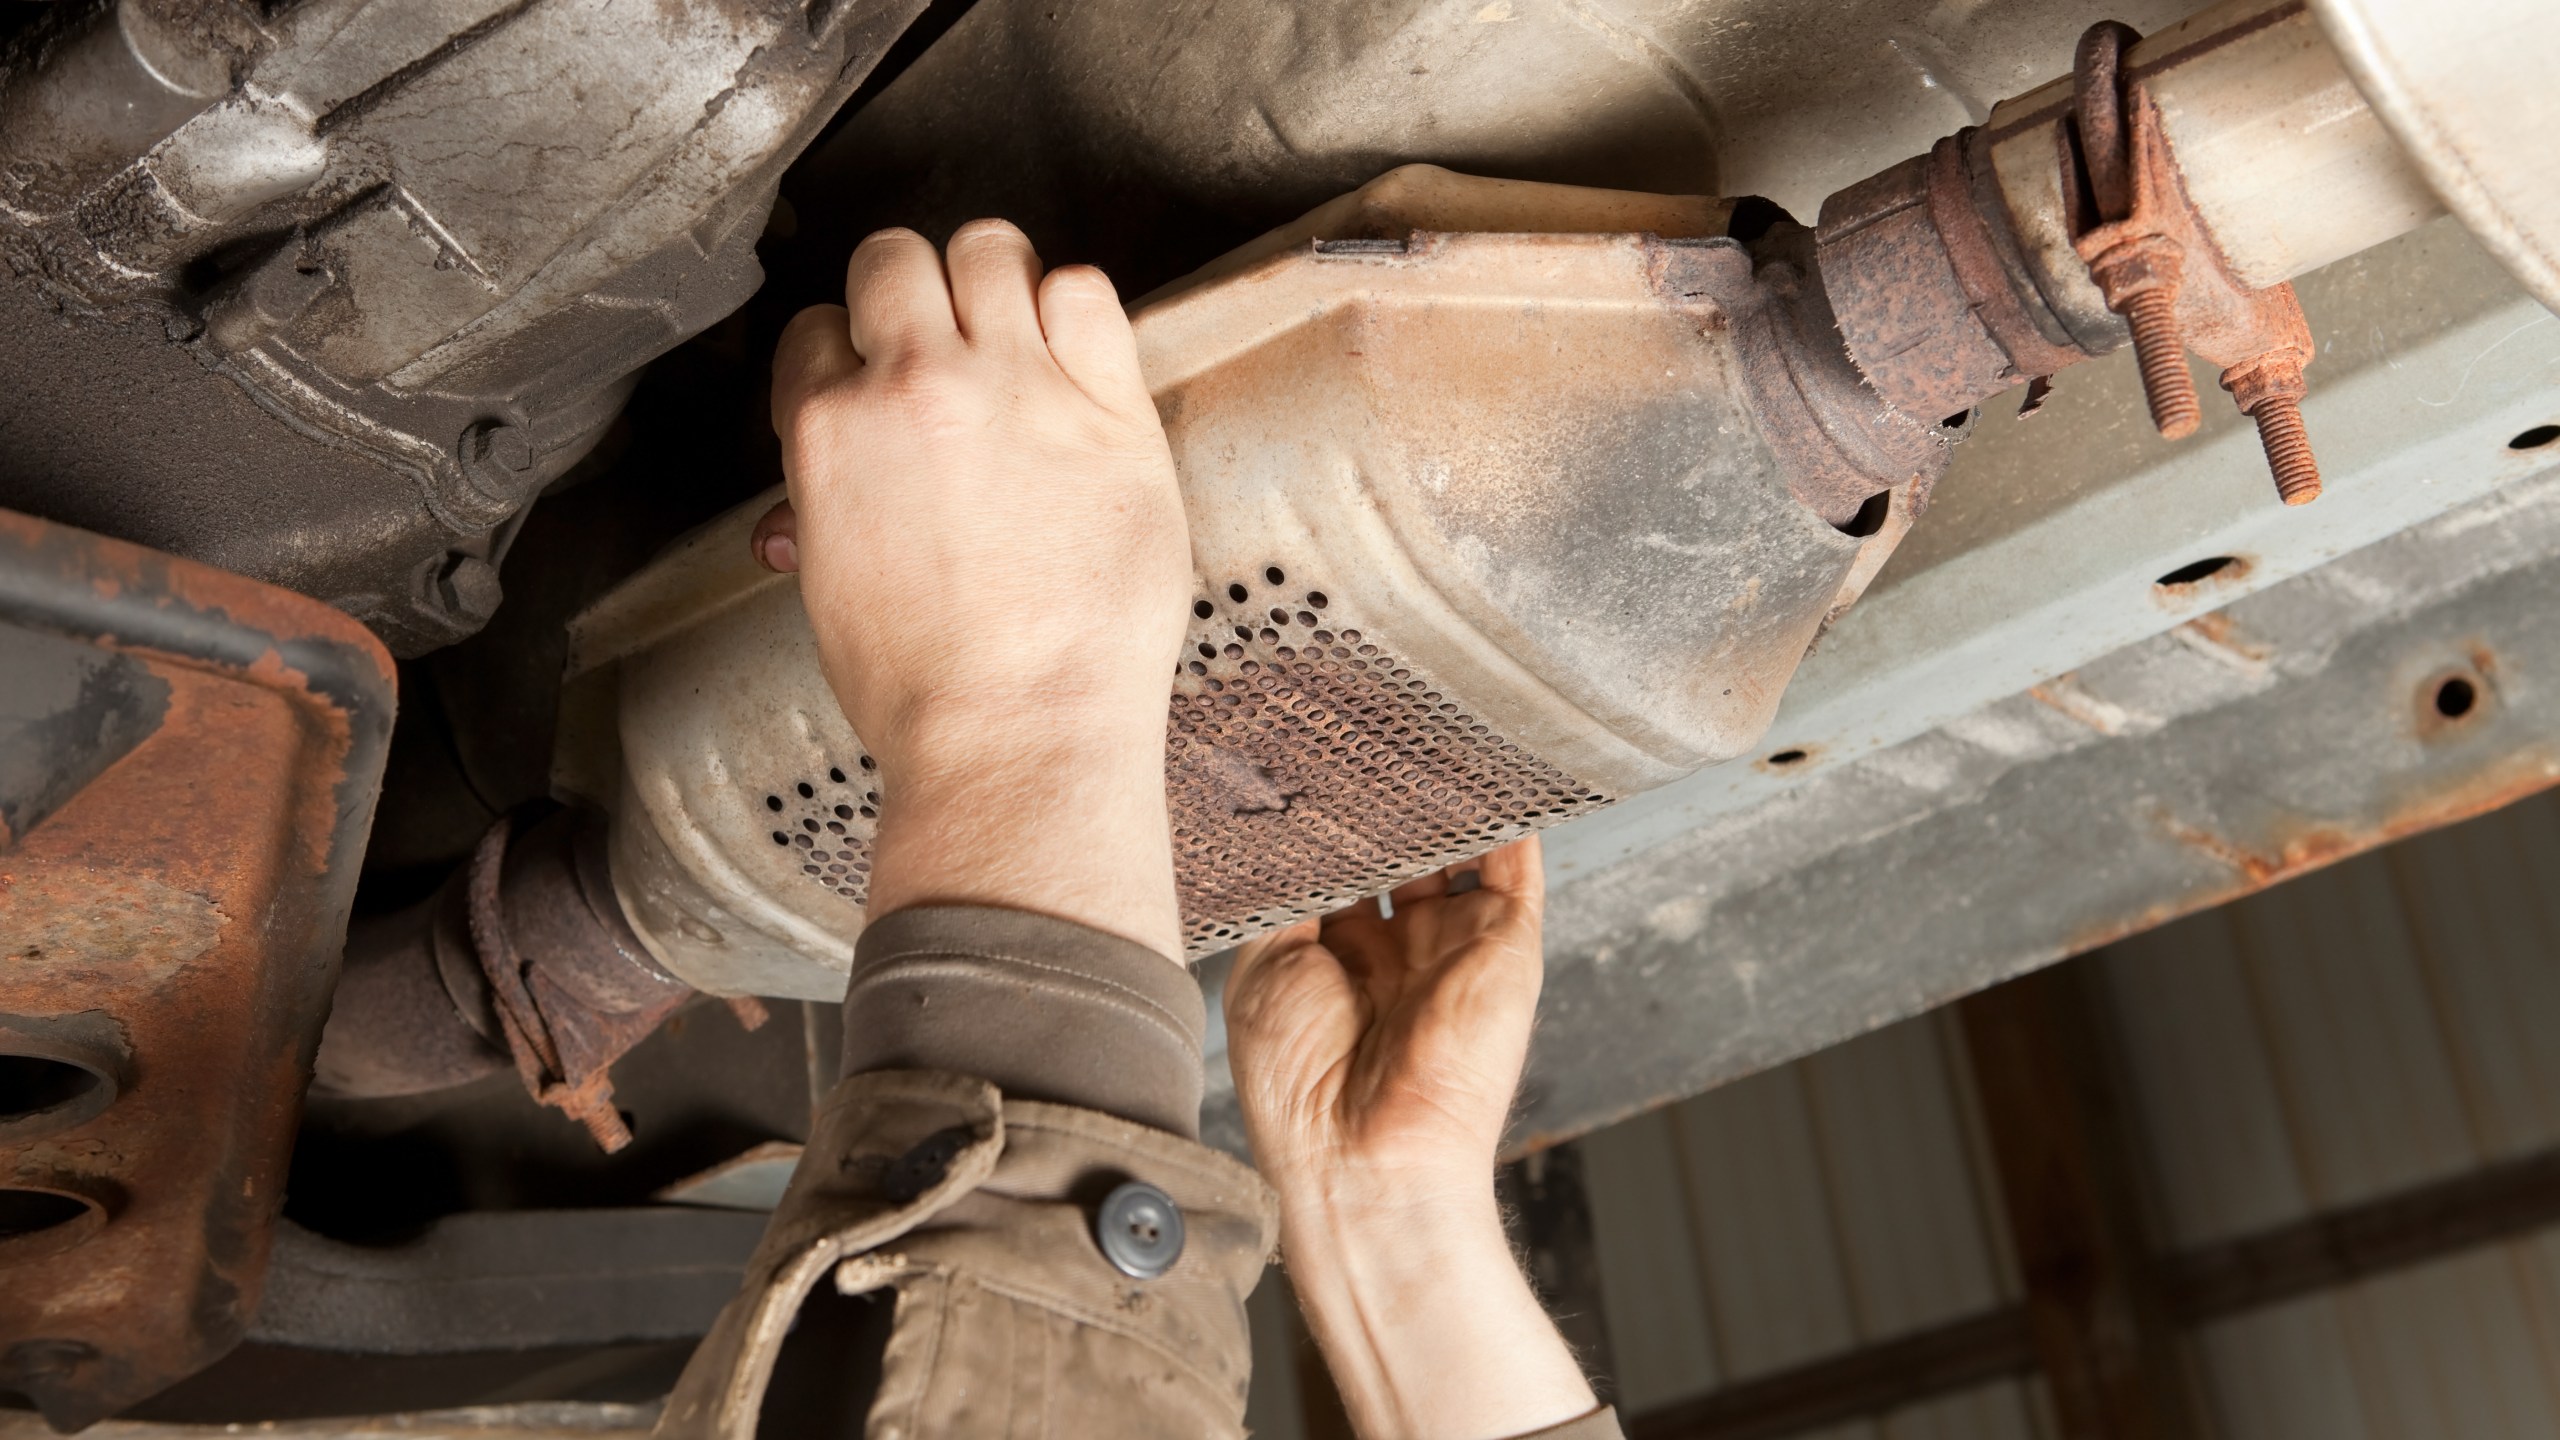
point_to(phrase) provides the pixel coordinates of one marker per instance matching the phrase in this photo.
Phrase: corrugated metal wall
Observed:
(1809, 1210)
(2392, 1020)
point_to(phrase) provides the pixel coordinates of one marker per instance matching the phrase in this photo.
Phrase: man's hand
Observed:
(1368, 1049)
(993, 553)
(1375, 1059)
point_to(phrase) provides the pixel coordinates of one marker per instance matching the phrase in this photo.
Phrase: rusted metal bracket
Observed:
(522, 957)
(2152, 257)
(569, 1010)
(171, 916)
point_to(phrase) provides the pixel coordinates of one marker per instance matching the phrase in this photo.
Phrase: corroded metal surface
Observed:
(1943, 269)
(522, 957)
(173, 929)
(1308, 767)
(2151, 254)
(2182, 772)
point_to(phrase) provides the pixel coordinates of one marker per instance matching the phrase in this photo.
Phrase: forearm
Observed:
(1428, 1327)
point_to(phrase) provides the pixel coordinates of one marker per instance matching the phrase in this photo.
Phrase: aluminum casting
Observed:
(383, 272)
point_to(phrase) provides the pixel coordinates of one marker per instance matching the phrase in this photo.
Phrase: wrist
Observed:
(1429, 1328)
(1065, 818)
(1356, 1194)
(993, 736)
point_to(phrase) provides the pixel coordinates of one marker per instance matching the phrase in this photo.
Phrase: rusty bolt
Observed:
(2269, 390)
(2139, 276)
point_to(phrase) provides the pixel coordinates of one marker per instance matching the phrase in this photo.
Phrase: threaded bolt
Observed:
(2161, 352)
(2288, 448)
(604, 1123)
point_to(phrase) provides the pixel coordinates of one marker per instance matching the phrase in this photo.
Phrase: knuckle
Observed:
(933, 397)
(1081, 281)
(890, 235)
(989, 231)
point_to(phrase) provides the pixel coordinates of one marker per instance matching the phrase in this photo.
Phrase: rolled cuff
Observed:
(1044, 1009)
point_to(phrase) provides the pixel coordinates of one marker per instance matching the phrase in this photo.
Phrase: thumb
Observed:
(776, 541)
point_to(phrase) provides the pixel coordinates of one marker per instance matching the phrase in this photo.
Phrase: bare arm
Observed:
(1376, 1059)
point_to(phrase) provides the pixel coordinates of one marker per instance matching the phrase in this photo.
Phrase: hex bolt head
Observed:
(467, 587)
(495, 456)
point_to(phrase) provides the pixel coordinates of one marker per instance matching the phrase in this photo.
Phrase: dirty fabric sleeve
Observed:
(980, 1213)
(1041, 1008)
(1600, 1424)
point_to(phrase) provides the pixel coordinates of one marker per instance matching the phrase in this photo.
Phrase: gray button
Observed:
(1140, 1229)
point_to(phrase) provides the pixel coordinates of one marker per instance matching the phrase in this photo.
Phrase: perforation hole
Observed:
(1304, 776)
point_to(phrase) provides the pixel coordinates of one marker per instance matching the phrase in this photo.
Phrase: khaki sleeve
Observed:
(1043, 1009)
(1600, 1424)
(980, 1212)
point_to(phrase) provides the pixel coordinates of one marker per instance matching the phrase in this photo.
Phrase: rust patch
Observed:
(190, 901)
(2452, 699)
(1972, 252)
(2299, 849)
(2219, 638)
(568, 987)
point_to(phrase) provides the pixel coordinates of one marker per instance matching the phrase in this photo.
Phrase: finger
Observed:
(1366, 946)
(1354, 924)
(899, 298)
(1420, 888)
(815, 352)
(1251, 955)
(1090, 337)
(1288, 986)
(1519, 869)
(776, 541)
(995, 281)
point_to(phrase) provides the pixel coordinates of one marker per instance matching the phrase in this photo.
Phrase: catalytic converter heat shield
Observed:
(1491, 529)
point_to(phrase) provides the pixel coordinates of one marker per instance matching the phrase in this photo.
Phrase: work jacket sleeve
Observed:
(1012, 1083)
(1600, 1424)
